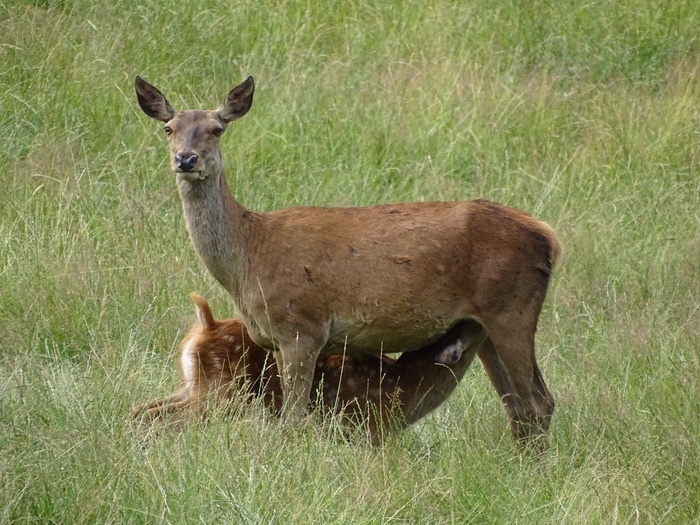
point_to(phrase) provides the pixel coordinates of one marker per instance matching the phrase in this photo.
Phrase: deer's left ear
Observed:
(238, 101)
(153, 102)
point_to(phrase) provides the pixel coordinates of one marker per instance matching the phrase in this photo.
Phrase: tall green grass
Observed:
(584, 114)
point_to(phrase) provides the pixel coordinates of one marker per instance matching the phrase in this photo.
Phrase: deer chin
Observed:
(191, 176)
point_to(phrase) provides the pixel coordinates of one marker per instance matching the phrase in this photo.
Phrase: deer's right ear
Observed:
(153, 102)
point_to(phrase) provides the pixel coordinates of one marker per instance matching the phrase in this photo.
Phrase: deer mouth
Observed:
(191, 176)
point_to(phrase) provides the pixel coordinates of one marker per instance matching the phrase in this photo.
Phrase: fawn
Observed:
(218, 360)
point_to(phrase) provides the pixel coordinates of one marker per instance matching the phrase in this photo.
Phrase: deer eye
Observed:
(217, 132)
(168, 130)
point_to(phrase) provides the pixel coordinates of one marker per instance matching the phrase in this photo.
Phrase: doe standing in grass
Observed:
(390, 278)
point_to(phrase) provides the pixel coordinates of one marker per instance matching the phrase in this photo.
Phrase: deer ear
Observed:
(238, 101)
(153, 102)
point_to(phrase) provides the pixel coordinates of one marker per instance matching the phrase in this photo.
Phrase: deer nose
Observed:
(186, 160)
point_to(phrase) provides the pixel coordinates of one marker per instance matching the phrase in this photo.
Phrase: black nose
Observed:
(186, 160)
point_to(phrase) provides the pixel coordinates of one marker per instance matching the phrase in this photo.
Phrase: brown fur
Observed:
(389, 278)
(382, 395)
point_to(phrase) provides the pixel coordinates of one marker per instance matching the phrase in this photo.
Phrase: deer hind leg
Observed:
(500, 379)
(543, 397)
(171, 407)
(508, 356)
(159, 408)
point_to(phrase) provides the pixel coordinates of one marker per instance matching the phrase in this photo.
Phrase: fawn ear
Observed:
(153, 102)
(238, 101)
(206, 318)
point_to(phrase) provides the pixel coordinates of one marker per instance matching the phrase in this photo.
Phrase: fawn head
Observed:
(194, 135)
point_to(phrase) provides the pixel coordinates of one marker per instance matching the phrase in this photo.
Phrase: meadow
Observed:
(585, 114)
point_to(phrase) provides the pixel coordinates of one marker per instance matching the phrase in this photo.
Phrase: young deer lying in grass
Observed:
(391, 278)
(219, 361)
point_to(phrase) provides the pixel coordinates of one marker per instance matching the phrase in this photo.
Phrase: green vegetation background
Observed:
(583, 113)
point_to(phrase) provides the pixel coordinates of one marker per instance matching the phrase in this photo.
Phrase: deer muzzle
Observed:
(186, 161)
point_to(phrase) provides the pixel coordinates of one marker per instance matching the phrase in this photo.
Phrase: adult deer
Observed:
(386, 278)
(219, 362)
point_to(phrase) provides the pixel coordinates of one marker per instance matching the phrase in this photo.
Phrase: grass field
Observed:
(586, 114)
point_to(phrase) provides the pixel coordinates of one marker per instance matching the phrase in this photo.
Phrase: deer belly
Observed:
(360, 340)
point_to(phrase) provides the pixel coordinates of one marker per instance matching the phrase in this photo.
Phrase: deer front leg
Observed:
(298, 362)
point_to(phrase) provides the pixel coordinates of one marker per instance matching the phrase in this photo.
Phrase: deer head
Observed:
(193, 135)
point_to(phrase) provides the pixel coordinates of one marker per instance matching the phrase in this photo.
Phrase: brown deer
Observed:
(380, 279)
(218, 361)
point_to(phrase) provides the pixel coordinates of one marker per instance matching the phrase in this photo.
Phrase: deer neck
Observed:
(217, 225)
